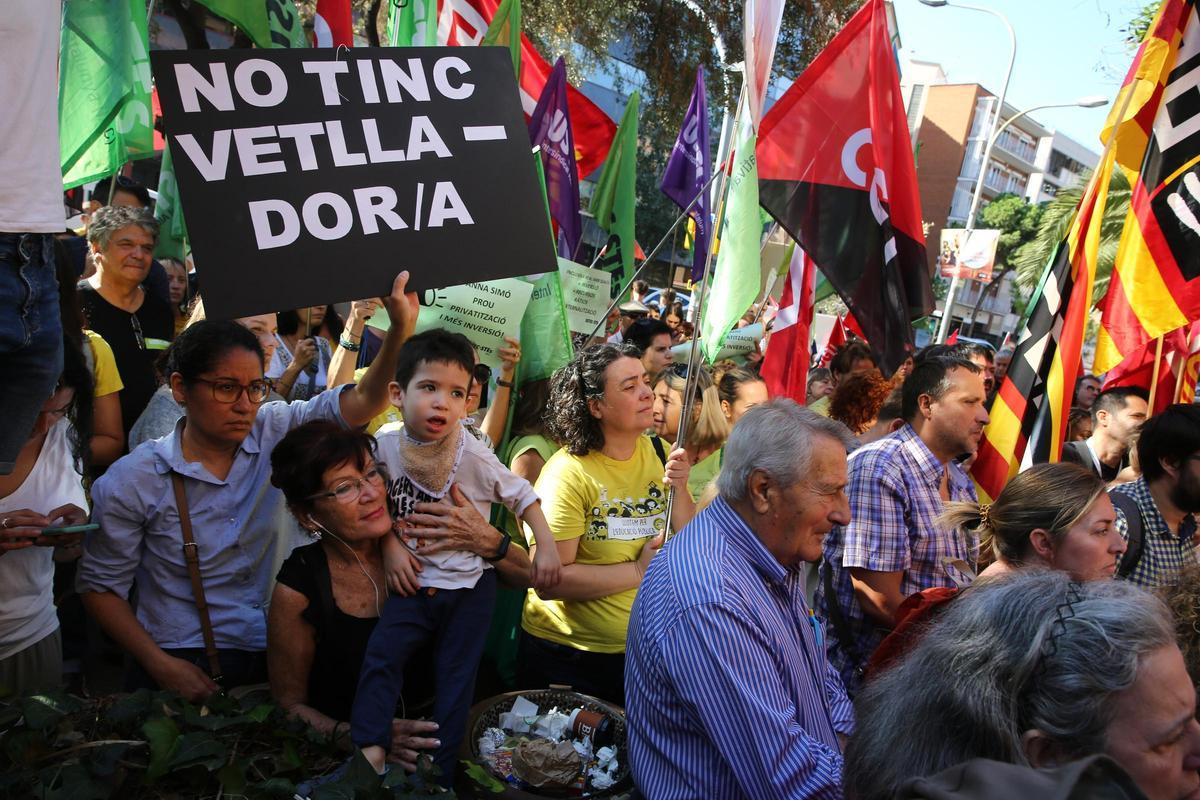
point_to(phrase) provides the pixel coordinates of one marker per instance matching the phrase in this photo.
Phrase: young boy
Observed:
(445, 598)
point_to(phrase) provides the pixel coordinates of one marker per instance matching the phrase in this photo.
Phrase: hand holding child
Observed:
(546, 569)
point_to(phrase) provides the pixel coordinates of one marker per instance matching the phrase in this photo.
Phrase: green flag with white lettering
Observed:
(268, 23)
(104, 84)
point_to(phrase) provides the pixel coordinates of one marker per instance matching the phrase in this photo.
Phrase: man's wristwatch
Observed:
(505, 384)
(502, 550)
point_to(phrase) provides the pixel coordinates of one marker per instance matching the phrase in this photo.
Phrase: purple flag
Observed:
(689, 170)
(550, 128)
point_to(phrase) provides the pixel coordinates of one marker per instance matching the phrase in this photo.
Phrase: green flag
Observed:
(104, 116)
(546, 343)
(412, 23)
(268, 23)
(735, 283)
(172, 233)
(545, 337)
(615, 197)
(505, 31)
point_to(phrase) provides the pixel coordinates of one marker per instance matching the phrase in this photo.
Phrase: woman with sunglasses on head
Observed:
(707, 427)
(207, 482)
(44, 489)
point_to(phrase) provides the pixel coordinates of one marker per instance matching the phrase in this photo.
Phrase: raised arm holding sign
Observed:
(306, 175)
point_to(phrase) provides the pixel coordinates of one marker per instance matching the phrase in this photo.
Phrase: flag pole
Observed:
(1158, 348)
(650, 256)
(1179, 375)
(689, 392)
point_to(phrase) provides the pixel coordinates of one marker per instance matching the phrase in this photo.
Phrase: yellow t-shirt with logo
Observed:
(612, 507)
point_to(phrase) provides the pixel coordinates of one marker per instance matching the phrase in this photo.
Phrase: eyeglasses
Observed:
(482, 373)
(679, 370)
(228, 392)
(349, 490)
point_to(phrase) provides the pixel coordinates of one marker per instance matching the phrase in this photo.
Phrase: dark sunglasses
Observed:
(482, 373)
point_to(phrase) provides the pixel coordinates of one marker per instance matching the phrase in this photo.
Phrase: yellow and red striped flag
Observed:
(1029, 415)
(1155, 285)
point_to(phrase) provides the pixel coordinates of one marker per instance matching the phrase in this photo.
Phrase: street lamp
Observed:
(1091, 101)
(948, 308)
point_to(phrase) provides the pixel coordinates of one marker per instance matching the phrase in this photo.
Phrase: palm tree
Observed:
(1030, 261)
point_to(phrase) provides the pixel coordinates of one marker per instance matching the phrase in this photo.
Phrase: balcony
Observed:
(1015, 148)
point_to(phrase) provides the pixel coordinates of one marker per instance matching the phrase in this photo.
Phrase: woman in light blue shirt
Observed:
(221, 448)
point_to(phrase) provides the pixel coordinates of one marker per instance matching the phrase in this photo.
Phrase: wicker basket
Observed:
(486, 714)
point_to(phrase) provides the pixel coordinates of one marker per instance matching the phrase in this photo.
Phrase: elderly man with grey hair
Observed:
(728, 690)
(137, 324)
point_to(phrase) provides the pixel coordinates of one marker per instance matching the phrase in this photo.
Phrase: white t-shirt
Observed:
(482, 479)
(32, 201)
(27, 613)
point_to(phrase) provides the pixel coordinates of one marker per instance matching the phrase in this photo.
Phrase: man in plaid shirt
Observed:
(892, 547)
(1167, 496)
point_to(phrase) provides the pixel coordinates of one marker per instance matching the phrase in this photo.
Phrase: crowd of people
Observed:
(789, 600)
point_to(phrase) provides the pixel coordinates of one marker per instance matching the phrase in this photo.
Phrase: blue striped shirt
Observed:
(728, 690)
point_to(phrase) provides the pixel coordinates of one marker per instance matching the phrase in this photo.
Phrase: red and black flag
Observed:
(836, 169)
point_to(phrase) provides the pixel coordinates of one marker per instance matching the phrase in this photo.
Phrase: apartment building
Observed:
(949, 126)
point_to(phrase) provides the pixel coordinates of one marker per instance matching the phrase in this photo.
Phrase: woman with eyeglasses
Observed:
(605, 497)
(163, 411)
(707, 427)
(329, 594)
(44, 489)
(208, 482)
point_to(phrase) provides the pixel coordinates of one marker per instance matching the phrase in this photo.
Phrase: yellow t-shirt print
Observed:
(612, 507)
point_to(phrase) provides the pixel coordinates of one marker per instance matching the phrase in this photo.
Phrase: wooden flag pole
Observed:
(1158, 348)
(1182, 368)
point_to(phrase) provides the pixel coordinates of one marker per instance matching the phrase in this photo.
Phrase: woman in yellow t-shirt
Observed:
(605, 497)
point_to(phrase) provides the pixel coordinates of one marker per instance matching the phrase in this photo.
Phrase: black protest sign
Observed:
(315, 176)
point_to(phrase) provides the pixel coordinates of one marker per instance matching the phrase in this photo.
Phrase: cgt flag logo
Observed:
(876, 193)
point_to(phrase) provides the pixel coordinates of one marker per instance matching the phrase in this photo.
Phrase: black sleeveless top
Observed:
(341, 642)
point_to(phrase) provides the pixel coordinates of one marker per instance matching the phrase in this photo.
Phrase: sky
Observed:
(1066, 49)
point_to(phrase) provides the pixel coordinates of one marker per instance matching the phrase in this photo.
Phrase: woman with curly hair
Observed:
(857, 399)
(605, 497)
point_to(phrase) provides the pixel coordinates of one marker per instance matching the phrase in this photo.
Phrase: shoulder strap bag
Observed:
(191, 555)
